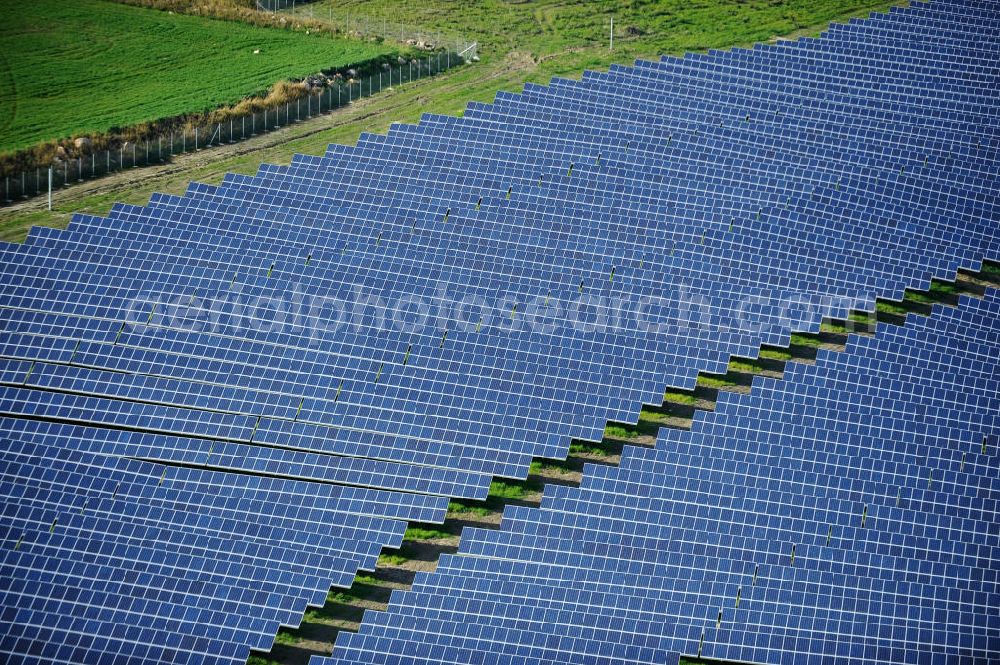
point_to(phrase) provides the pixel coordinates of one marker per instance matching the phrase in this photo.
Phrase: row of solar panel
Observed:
(788, 526)
(640, 184)
(170, 563)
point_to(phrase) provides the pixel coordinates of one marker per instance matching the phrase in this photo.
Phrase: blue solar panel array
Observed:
(255, 385)
(847, 513)
(109, 559)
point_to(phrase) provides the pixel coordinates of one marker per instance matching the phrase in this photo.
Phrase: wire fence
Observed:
(159, 150)
(281, 5)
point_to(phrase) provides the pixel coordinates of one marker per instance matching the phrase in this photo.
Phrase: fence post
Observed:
(133, 155)
(107, 153)
(79, 170)
(50, 188)
(6, 190)
(196, 138)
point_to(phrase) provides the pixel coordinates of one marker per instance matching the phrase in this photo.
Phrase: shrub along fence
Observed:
(159, 150)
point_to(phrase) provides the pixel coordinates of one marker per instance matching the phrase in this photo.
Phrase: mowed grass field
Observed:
(519, 42)
(71, 67)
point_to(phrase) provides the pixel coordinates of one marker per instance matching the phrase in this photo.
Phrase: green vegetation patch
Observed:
(257, 660)
(991, 268)
(945, 288)
(745, 365)
(716, 381)
(921, 298)
(805, 340)
(87, 66)
(581, 448)
(619, 432)
(391, 559)
(341, 596)
(679, 397)
(460, 508)
(420, 533)
(285, 637)
(551, 26)
(861, 321)
(887, 307)
(538, 467)
(502, 489)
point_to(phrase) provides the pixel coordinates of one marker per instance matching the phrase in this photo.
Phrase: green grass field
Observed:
(546, 27)
(83, 66)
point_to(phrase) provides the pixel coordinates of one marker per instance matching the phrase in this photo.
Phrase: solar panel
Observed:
(305, 359)
(845, 512)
